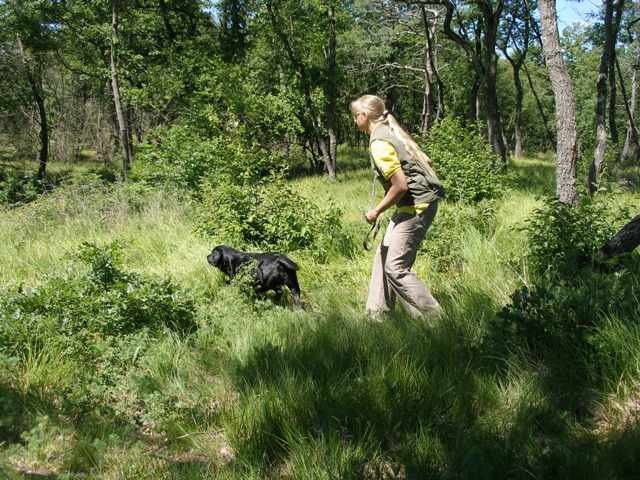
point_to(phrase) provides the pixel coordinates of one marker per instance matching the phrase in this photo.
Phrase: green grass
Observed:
(264, 391)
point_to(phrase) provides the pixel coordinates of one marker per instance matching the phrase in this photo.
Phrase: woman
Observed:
(413, 187)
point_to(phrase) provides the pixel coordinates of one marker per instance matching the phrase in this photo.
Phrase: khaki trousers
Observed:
(391, 276)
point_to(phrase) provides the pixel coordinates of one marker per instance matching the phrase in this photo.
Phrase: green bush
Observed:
(105, 301)
(99, 323)
(562, 237)
(269, 215)
(556, 314)
(464, 161)
(20, 187)
(180, 156)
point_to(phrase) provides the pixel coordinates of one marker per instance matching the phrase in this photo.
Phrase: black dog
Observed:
(271, 272)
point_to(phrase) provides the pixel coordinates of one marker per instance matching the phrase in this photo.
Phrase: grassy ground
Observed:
(263, 391)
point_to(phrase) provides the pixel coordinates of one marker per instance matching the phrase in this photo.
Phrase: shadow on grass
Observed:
(401, 389)
(534, 176)
(429, 398)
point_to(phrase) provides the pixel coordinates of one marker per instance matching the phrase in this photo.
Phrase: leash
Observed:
(371, 235)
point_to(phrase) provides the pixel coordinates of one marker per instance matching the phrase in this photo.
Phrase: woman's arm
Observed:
(398, 188)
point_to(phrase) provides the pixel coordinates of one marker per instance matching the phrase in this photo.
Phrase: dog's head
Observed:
(216, 257)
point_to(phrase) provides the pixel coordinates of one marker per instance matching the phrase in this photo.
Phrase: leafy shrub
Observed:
(269, 215)
(180, 156)
(557, 313)
(464, 161)
(17, 187)
(563, 237)
(104, 173)
(567, 297)
(105, 301)
(101, 321)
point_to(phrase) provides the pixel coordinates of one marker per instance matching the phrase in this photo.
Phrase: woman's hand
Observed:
(372, 216)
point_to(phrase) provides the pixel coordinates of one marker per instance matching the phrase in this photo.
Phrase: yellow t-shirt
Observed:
(387, 161)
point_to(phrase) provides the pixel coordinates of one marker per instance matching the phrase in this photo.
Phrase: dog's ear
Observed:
(216, 257)
(223, 261)
(228, 266)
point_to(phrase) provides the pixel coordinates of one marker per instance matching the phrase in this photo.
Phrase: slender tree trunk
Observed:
(613, 124)
(430, 34)
(43, 156)
(331, 91)
(427, 97)
(490, 67)
(482, 54)
(493, 113)
(516, 65)
(543, 116)
(631, 146)
(567, 144)
(35, 82)
(631, 130)
(474, 108)
(519, 147)
(601, 131)
(426, 116)
(122, 126)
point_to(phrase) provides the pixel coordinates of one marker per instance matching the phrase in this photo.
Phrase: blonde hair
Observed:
(377, 114)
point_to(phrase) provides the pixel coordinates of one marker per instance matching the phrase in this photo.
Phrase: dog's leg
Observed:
(292, 283)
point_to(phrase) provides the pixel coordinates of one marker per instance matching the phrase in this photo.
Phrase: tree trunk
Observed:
(519, 148)
(122, 126)
(433, 61)
(613, 124)
(567, 143)
(331, 92)
(601, 102)
(35, 82)
(490, 67)
(493, 114)
(631, 147)
(474, 108)
(482, 54)
(426, 116)
(427, 97)
(632, 131)
(550, 136)
(516, 65)
(625, 241)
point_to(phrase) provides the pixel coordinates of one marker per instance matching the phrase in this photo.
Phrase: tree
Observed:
(515, 35)
(33, 35)
(481, 20)
(432, 80)
(567, 136)
(320, 129)
(123, 129)
(601, 103)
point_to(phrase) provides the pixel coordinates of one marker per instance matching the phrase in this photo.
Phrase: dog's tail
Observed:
(287, 262)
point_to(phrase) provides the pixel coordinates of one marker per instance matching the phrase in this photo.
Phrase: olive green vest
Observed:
(423, 187)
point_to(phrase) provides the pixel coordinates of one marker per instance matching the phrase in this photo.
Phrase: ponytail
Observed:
(374, 107)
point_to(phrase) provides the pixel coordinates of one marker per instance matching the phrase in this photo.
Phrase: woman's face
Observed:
(361, 120)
